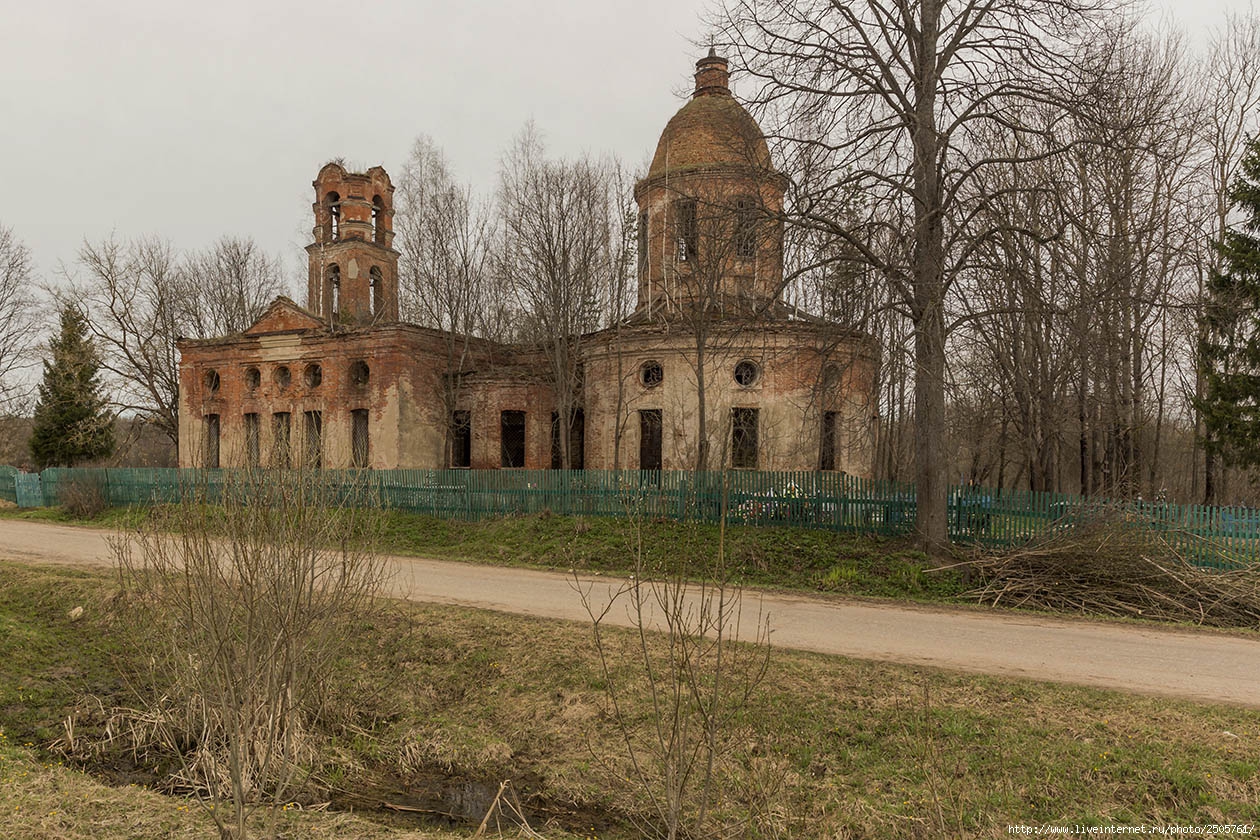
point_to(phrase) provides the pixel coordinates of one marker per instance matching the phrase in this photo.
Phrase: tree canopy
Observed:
(1230, 344)
(72, 422)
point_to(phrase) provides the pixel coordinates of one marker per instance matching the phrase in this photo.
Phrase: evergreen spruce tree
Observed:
(72, 423)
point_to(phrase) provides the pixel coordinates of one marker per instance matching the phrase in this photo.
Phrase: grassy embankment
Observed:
(449, 698)
(788, 558)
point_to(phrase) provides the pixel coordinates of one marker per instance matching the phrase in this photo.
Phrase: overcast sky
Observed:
(191, 120)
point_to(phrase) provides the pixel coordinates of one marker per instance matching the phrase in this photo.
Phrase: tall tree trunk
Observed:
(929, 293)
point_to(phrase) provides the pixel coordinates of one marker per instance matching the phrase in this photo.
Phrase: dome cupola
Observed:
(712, 129)
(709, 232)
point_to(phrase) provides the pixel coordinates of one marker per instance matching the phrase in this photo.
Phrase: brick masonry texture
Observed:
(344, 355)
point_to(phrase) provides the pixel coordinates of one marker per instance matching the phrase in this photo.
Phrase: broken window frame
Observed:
(461, 440)
(360, 439)
(512, 439)
(313, 439)
(744, 443)
(213, 429)
(651, 439)
(686, 229)
(253, 440)
(282, 440)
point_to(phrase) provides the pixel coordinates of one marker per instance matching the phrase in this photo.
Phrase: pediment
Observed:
(283, 315)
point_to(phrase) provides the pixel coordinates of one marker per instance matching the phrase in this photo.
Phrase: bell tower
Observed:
(353, 265)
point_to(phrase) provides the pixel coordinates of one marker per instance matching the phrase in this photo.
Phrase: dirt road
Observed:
(1172, 662)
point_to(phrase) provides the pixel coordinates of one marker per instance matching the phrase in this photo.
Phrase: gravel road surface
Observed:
(1152, 660)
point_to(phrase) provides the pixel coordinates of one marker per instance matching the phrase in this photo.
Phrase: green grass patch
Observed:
(118, 517)
(771, 557)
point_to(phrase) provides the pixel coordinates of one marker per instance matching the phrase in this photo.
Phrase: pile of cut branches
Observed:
(1108, 566)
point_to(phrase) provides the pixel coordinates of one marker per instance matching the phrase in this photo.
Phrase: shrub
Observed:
(244, 612)
(84, 497)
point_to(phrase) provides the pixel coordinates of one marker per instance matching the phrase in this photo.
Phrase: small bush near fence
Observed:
(84, 497)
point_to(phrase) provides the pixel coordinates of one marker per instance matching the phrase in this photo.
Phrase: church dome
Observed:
(710, 130)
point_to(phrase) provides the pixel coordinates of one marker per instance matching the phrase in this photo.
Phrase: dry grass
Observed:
(43, 800)
(831, 748)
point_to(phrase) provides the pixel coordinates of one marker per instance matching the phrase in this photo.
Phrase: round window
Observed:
(313, 376)
(651, 374)
(211, 381)
(359, 373)
(252, 378)
(282, 376)
(747, 373)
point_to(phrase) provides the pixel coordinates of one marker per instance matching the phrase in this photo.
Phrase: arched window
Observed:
(378, 220)
(333, 202)
(377, 289)
(333, 275)
(651, 374)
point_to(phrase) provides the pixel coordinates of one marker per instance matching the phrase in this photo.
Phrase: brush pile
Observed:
(1108, 566)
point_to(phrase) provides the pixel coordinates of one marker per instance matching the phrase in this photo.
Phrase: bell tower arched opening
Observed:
(353, 233)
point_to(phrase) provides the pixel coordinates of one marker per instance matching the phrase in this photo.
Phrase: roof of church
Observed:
(710, 130)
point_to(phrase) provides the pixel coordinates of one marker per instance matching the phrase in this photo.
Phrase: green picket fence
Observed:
(1217, 537)
(8, 484)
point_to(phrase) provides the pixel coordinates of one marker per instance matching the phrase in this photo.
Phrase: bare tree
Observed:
(557, 253)
(1063, 334)
(141, 296)
(224, 288)
(18, 326)
(1131, 243)
(445, 234)
(617, 295)
(130, 295)
(895, 94)
(699, 660)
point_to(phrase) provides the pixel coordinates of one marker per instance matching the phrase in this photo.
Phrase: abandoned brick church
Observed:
(711, 346)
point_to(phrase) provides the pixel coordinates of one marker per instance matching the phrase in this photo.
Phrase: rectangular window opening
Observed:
(685, 228)
(650, 439)
(252, 448)
(281, 454)
(512, 438)
(461, 439)
(643, 245)
(827, 452)
(744, 438)
(314, 433)
(360, 445)
(745, 228)
(212, 441)
(577, 441)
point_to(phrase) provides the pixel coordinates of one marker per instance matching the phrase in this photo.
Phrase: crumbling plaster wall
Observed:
(804, 371)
